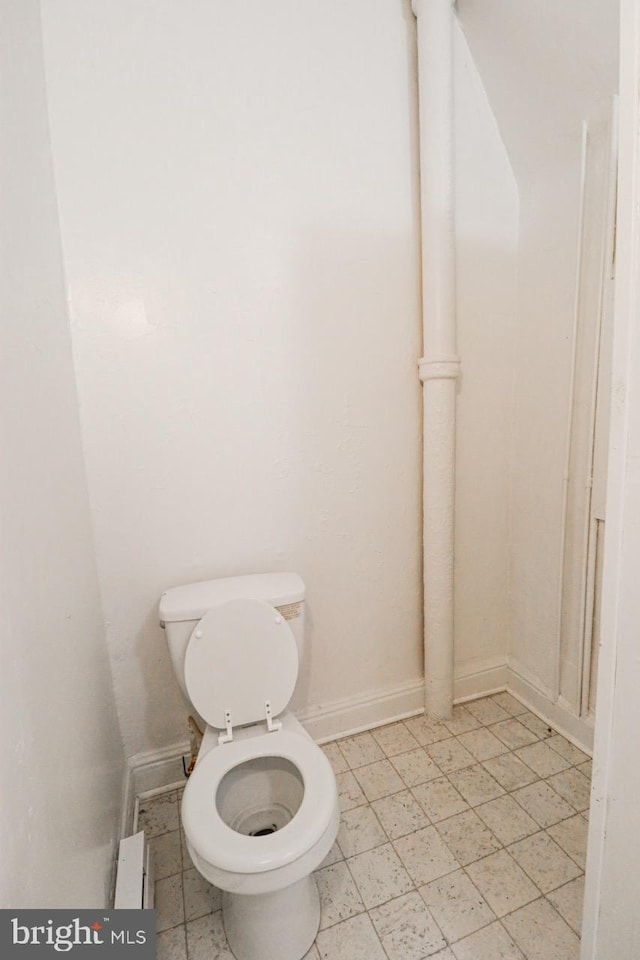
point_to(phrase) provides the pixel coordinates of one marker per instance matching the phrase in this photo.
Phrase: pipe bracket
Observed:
(445, 368)
(415, 4)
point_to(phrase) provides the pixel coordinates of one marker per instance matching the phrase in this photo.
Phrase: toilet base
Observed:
(282, 924)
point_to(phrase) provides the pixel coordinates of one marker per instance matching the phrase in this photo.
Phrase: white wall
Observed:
(546, 67)
(239, 221)
(237, 186)
(487, 211)
(60, 753)
(542, 395)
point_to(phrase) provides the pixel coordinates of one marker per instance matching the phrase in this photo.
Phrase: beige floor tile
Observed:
(571, 835)
(335, 756)
(503, 884)
(169, 905)
(394, 739)
(339, 896)
(159, 815)
(506, 819)
(509, 703)
(513, 734)
(166, 854)
(354, 939)
(476, 785)
(542, 759)
(457, 905)
(540, 727)
(172, 944)
(541, 933)
(490, 943)
(360, 749)
(349, 791)
(586, 768)
(542, 803)
(461, 721)
(396, 790)
(379, 875)
(200, 897)
(568, 901)
(509, 771)
(379, 780)
(482, 744)
(542, 859)
(567, 749)
(400, 814)
(426, 731)
(574, 787)
(335, 854)
(467, 837)
(486, 710)
(450, 755)
(187, 863)
(416, 767)
(406, 928)
(359, 830)
(425, 855)
(206, 939)
(439, 799)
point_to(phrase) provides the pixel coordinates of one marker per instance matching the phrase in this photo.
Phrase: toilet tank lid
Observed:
(192, 601)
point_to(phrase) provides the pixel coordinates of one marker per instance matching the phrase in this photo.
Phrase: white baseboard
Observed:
(149, 772)
(479, 678)
(342, 718)
(575, 729)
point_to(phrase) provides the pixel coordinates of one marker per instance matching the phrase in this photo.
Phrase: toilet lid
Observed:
(241, 655)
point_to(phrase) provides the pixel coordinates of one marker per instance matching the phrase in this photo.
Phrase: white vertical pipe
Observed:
(440, 366)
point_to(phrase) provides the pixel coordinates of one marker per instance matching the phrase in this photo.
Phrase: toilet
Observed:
(260, 810)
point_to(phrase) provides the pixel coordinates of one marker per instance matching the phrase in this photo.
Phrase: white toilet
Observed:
(260, 809)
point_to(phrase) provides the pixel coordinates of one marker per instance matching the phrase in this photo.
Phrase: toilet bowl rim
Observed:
(223, 847)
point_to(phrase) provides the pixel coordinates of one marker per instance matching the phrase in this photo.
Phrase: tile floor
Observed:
(458, 841)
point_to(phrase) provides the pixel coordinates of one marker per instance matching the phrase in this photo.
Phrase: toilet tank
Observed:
(182, 607)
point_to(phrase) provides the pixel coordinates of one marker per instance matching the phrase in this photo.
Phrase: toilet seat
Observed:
(241, 664)
(219, 844)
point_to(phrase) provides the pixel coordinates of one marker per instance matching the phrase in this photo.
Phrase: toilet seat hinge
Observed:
(228, 736)
(272, 725)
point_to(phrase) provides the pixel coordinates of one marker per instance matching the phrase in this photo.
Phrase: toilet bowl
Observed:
(260, 810)
(260, 815)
